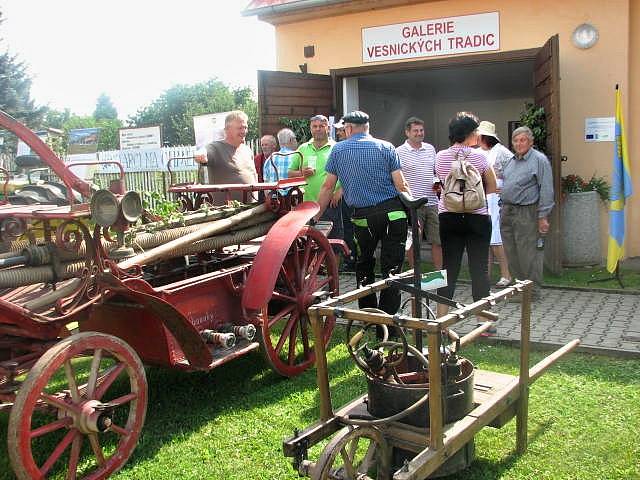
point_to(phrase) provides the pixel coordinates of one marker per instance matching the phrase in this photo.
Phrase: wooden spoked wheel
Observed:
(286, 336)
(354, 453)
(80, 410)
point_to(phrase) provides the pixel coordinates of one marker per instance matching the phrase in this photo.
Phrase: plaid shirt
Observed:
(276, 167)
(363, 164)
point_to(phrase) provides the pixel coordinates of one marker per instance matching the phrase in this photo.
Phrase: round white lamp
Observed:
(585, 36)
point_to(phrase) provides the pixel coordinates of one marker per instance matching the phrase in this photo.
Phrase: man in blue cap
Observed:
(371, 178)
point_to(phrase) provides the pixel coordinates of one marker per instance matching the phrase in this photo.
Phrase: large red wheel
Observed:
(80, 410)
(287, 338)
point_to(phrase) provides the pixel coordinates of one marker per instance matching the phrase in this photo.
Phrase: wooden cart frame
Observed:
(497, 397)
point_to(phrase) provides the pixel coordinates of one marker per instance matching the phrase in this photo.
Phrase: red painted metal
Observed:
(41, 149)
(308, 272)
(267, 282)
(234, 187)
(265, 271)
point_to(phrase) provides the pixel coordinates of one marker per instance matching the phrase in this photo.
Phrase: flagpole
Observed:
(616, 272)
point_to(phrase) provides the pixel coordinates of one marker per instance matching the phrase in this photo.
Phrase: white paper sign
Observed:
(429, 38)
(137, 138)
(600, 129)
(208, 128)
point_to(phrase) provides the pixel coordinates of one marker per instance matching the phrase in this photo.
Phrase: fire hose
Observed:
(143, 240)
(71, 269)
(16, 277)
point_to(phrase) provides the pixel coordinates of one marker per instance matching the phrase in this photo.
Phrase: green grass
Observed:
(230, 423)
(570, 277)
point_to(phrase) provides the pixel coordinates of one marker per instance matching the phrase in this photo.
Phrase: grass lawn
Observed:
(230, 423)
(570, 277)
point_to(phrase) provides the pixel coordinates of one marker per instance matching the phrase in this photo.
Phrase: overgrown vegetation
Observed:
(300, 127)
(534, 117)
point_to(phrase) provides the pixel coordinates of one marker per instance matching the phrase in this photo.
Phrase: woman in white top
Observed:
(496, 154)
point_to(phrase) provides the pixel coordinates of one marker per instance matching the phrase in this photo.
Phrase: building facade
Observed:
(396, 58)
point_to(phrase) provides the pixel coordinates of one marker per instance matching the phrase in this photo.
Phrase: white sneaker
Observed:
(503, 282)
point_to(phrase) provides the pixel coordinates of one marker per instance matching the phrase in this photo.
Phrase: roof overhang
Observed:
(286, 11)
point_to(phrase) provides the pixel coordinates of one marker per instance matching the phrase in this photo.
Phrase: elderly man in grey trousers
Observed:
(527, 201)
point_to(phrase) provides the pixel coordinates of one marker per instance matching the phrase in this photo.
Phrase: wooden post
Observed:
(435, 391)
(326, 410)
(523, 400)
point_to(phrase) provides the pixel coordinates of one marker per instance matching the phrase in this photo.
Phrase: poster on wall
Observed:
(208, 128)
(83, 140)
(24, 149)
(430, 38)
(143, 137)
(600, 129)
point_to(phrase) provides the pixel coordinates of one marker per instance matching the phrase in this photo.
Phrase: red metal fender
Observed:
(266, 265)
(192, 345)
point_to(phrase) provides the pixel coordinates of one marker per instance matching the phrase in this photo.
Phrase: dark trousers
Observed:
(388, 225)
(348, 229)
(334, 215)
(473, 232)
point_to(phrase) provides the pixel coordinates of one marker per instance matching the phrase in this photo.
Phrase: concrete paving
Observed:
(607, 323)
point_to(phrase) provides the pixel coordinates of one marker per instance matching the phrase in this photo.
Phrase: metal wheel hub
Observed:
(94, 417)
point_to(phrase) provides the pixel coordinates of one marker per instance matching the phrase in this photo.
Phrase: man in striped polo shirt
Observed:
(371, 177)
(417, 159)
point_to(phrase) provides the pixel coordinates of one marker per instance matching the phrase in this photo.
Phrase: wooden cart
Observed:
(496, 398)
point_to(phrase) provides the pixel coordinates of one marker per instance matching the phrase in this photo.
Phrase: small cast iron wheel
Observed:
(71, 416)
(354, 453)
(286, 332)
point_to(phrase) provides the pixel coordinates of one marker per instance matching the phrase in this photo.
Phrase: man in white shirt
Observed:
(417, 159)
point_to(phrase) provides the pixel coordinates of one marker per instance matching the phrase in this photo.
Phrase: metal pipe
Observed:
(166, 250)
(50, 298)
(142, 241)
(290, 7)
(16, 277)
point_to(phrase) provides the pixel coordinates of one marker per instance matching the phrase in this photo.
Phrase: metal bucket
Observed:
(387, 398)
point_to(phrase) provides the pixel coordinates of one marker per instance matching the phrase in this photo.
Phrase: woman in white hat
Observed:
(496, 154)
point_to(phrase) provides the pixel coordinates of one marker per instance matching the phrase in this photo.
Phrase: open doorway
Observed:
(495, 86)
(496, 92)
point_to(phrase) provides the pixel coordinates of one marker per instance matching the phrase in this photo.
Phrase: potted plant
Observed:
(581, 219)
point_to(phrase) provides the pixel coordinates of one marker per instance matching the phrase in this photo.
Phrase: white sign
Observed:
(602, 129)
(144, 137)
(24, 149)
(208, 128)
(429, 38)
(142, 160)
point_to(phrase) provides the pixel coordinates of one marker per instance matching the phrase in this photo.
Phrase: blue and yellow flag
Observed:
(620, 190)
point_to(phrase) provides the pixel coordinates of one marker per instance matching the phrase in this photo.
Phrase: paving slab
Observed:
(604, 322)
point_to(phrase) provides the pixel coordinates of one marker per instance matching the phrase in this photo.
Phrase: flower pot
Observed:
(581, 229)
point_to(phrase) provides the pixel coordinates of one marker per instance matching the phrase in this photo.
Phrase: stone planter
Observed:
(581, 229)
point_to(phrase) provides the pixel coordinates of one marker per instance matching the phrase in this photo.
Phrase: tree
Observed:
(15, 91)
(104, 108)
(177, 106)
(56, 118)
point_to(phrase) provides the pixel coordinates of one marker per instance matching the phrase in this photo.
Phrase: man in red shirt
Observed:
(268, 145)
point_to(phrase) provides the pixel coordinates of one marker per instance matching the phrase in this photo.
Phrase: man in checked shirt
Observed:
(371, 178)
